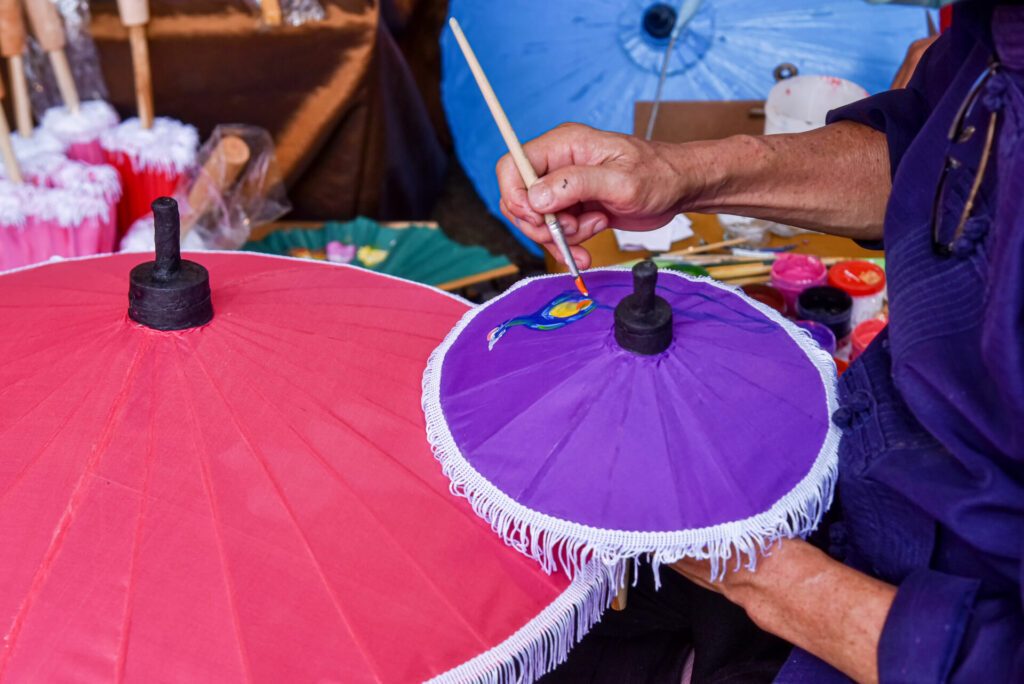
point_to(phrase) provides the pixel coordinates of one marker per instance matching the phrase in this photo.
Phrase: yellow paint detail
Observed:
(569, 309)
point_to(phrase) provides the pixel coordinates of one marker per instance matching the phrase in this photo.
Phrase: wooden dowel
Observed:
(49, 31)
(135, 15)
(143, 75)
(19, 96)
(700, 249)
(12, 46)
(739, 271)
(218, 173)
(271, 11)
(7, 151)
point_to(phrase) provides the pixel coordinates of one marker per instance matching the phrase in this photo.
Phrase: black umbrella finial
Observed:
(643, 320)
(169, 293)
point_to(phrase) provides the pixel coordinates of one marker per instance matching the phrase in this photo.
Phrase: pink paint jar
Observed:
(794, 273)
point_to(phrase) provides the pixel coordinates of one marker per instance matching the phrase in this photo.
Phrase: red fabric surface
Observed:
(139, 188)
(251, 500)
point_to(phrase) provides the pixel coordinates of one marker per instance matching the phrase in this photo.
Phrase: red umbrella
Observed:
(250, 498)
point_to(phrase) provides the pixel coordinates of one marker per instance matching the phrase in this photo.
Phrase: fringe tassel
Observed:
(544, 643)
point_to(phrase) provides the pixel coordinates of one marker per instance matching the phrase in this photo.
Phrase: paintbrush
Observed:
(516, 150)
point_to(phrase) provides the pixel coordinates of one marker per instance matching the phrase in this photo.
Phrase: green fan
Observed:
(417, 252)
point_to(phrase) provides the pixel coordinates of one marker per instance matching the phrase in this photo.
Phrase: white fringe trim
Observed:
(545, 641)
(169, 146)
(555, 542)
(94, 117)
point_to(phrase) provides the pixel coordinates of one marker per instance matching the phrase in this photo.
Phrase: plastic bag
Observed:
(287, 12)
(82, 55)
(235, 187)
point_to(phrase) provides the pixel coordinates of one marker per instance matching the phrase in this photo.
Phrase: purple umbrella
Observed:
(573, 445)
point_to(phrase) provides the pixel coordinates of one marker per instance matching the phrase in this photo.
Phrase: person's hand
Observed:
(593, 180)
(914, 54)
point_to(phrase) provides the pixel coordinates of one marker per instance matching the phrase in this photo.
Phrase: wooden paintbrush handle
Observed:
(218, 173)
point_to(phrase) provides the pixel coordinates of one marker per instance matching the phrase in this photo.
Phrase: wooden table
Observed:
(605, 250)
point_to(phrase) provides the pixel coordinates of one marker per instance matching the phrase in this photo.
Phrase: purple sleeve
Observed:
(943, 628)
(901, 113)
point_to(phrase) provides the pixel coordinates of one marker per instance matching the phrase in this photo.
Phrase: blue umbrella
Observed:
(552, 61)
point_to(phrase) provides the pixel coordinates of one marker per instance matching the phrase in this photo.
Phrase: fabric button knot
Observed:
(995, 93)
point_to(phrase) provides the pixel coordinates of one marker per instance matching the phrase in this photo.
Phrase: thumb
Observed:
(569, 185)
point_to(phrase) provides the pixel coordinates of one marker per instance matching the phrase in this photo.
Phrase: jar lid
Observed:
(859, 278)
(798, 269)
(867, 331)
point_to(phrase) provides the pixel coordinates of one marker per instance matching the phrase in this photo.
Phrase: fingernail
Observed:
(569, 230)
(540, 197)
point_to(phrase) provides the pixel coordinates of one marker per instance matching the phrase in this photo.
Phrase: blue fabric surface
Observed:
(932, 458)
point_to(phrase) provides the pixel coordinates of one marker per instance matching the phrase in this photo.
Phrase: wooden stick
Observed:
(700, 249)
(739, 271)
(271, 10)
(19, 96)
(218, 173)
(752, 280)
(459, 283)
(143, 75)
(12, 46)
(6, 149)
(135, 15)
(49, 31)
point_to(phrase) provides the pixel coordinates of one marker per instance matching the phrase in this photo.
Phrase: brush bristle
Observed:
(581, 287)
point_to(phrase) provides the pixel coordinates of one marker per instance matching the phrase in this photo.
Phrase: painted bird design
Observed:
(564, 309)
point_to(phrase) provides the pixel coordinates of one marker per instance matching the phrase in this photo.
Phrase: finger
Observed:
(513, 192)
(570, 185)
(564, 145)
(538, 234)
(579, 254)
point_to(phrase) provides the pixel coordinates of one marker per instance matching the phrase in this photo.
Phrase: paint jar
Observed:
(865, 283)
(864, 334)
(794, 273)
(800, 103)
(821, 333)
(828, 305)
(767, 295)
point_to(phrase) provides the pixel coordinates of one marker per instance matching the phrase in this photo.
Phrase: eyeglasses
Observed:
(962, 158)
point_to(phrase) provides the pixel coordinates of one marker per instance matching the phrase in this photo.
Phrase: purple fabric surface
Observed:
(716, 429)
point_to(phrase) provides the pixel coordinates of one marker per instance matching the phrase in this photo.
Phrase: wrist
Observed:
(710, 173)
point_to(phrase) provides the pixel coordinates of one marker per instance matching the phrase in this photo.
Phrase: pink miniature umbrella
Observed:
(76, 124)
(238, 488)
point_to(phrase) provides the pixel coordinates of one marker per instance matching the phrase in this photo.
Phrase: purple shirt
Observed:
(932, 457)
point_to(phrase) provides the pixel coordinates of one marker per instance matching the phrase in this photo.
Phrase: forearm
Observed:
(818, 604)
(834, 179)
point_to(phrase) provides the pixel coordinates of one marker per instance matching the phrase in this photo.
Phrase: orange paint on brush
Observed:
(581, 287)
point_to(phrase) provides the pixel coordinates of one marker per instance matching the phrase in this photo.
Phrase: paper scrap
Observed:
(657, 240)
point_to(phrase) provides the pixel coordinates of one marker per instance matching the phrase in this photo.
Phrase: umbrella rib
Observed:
(291, 516)
(129, 604)
(236, 619)
(355, 495)
(68, 516)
